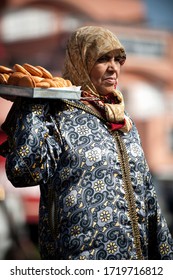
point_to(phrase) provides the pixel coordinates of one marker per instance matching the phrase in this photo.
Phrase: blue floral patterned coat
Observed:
(97, 197)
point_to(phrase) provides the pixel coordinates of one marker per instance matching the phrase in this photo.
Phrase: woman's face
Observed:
(105, 72)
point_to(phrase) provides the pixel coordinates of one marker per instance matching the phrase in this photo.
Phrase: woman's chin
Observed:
(107, 90)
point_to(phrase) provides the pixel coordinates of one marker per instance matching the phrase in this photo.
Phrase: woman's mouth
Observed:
(111, 81)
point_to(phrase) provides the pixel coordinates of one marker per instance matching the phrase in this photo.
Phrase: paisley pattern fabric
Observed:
(84, 209)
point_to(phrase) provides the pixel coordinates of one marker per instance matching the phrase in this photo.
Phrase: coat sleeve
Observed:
(160, 242)
(34, 144)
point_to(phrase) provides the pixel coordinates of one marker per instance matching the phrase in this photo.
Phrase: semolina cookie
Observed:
(6, 76)
(59, 84)
(14, 78)
(20, 68)
(37, 79)
(60, 81)
(45, 72)
(68, 83)
(27, 81)
(4, 69)
(50, 81)
(33, 70)
(43, 84)
(3, 79)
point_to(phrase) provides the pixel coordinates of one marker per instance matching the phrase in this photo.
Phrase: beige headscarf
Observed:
(84, 47)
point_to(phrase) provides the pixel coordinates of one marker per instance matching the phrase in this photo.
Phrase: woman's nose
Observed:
(113, 65)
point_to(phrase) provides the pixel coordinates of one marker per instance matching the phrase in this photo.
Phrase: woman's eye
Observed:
(120, 59)
(102, 59)
(117, 58)
(106, 58)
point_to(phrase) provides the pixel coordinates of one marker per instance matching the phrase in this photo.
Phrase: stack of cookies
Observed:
(27, 75)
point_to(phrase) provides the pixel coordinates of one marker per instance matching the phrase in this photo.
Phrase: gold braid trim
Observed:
(52, 212)
(129, 193)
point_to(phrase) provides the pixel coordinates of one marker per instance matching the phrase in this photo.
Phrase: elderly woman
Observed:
(97, 197)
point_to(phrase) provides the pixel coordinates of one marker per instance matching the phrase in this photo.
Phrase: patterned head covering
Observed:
(84, 47)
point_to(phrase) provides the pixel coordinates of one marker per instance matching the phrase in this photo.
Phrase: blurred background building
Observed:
(36, 31)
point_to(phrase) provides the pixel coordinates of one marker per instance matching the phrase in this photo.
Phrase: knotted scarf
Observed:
(111, 108)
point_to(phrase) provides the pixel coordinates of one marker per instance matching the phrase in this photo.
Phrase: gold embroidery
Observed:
(123, 157)
(52, 213)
